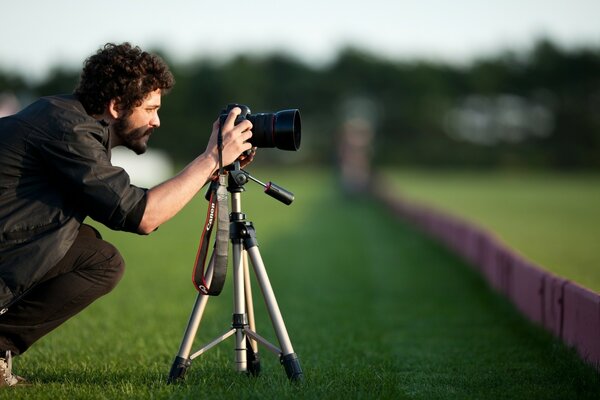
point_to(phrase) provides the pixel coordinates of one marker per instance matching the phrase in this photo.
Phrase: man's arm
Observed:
(165, 200)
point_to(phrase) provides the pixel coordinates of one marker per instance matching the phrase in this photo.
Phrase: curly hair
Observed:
(124, 73)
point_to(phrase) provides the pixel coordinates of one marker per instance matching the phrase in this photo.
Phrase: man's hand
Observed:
(235, 139)
(246, 159)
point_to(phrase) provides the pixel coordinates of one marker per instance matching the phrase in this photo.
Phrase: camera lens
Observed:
(280, 129)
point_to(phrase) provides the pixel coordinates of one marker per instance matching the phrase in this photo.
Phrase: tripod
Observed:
(244, 244)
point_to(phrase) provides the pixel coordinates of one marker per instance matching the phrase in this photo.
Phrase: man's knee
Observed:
(106, 263)
(113, 267)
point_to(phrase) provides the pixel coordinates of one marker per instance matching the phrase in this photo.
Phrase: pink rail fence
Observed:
(569, 311)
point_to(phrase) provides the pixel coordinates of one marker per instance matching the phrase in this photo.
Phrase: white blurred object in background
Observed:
(146, 170)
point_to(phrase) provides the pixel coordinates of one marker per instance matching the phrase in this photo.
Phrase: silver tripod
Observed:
(244, 244)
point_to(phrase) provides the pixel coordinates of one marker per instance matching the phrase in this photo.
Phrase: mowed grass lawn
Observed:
(552, 219)
(374, 310)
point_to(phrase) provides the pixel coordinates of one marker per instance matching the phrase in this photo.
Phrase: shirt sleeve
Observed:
(79, 162)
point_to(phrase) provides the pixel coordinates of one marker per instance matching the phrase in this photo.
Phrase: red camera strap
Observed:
(218, 211)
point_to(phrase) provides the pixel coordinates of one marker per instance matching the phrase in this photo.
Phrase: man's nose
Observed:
(155, 121)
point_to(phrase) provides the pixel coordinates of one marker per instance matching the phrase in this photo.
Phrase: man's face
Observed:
(134, 130)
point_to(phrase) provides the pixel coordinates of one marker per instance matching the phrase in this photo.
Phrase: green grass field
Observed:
(551, 219)
(374, 310)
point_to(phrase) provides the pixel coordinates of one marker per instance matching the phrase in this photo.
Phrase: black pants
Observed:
(90, 269)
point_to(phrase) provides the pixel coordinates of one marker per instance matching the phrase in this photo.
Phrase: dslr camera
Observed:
(280, 129)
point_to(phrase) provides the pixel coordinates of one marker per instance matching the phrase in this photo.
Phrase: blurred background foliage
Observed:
(534, 109)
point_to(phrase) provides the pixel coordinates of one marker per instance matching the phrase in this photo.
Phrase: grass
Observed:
(550, 218)
(374, 311)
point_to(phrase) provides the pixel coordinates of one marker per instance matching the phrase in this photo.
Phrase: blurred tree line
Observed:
(534, 109)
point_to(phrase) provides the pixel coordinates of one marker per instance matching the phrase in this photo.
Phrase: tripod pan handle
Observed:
(279, 193)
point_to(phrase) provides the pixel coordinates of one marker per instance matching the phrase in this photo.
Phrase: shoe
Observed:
(7, 378)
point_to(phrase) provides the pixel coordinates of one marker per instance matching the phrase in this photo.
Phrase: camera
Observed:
(280, 129)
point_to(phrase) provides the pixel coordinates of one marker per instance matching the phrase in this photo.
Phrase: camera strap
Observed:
(217, 205)
(218, 211)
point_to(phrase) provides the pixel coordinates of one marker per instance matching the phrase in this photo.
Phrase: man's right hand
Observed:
(235, 138)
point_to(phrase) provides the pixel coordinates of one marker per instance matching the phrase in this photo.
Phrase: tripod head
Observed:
(239, 177)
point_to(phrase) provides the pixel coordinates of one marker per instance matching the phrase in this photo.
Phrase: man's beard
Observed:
(135, 139)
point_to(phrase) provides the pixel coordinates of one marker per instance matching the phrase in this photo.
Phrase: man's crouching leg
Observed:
(91, 268)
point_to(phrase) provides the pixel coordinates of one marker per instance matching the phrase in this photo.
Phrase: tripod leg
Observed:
(240, 318)
(288, 357)
(182, 360)
(252, 345)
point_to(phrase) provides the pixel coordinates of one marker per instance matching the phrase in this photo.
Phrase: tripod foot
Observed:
(253, 363)
(292, 367)
(178, 369)
(253, 360)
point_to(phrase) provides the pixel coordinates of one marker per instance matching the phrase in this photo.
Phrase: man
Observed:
(55, 171)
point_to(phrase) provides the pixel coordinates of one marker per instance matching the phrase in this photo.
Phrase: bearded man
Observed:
(55, 171)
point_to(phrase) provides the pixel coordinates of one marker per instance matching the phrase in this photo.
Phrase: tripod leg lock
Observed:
(240, 321)
(292, 367)
(178, 369)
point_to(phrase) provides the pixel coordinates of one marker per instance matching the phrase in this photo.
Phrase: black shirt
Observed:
(55, 170)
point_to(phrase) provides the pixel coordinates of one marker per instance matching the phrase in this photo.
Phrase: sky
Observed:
(36, 36)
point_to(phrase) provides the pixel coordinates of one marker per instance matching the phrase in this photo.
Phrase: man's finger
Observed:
(233, 114)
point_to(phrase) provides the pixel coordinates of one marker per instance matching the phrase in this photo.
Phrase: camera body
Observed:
(281, 129)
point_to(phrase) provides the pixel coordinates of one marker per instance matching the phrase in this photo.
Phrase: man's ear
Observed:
(113, 109)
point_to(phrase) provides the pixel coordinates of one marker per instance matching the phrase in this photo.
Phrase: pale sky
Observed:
(38, 35)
